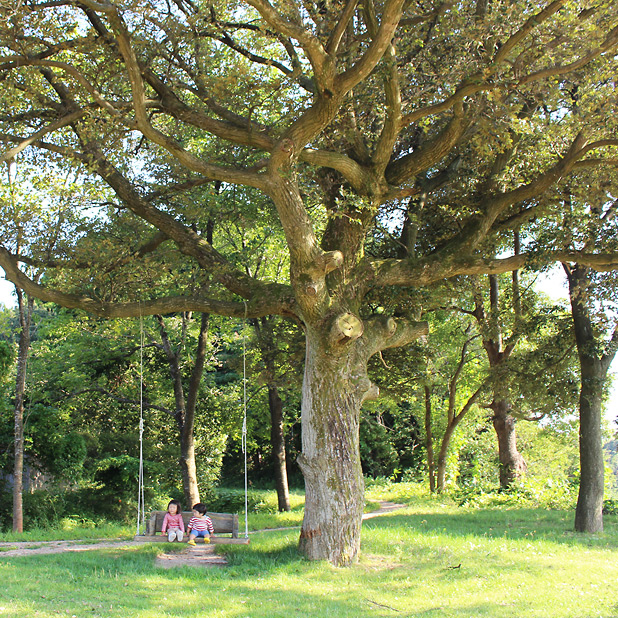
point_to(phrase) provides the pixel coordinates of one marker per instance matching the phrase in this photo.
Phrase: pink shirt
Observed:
(173, 521)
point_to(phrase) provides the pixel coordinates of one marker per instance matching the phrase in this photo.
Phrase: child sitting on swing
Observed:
(200, 525)
(173, 523)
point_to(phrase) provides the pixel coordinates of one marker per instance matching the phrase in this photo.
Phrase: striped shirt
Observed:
(201, 523)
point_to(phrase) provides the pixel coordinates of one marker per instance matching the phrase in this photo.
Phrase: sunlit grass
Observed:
(429, 559)
(286, 519)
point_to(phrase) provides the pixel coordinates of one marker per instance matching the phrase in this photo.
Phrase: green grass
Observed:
(430, 559)
(293, 518)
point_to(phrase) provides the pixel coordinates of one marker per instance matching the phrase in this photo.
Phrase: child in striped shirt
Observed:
(200, 525)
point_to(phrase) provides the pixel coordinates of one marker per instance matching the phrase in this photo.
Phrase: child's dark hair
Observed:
(178, 505)
(200, 508)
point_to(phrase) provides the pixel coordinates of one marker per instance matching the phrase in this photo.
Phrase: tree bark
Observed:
(277, 439)
(330, 460)
(593, 367)
(441, 470)
(25, 320)
(589, 510)
(512, 464)
(335, 386)
(188, 468)
(431, 467)
(263, 329)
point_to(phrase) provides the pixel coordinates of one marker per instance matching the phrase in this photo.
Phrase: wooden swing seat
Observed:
(223, 523)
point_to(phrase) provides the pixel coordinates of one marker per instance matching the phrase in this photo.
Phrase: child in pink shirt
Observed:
(173, 523)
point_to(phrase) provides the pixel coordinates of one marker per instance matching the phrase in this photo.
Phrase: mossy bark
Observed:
(335, 385)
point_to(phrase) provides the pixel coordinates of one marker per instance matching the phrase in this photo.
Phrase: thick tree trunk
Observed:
(277, 439)
(333, 391)
(512, 464)
(25, 319)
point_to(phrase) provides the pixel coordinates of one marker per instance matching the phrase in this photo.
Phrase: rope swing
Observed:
(244, 420)
(141, 506)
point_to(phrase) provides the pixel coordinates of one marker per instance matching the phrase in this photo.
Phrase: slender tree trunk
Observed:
(25, 319)
(277, 439)
(452, 418)
(431, 467)
(593, 366)
(512, 464)
(188, 468)
(589, 510)
(185, 409)
(265, 338)
(441, 471)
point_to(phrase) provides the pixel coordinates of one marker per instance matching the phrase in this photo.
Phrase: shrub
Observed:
(610, 507)
(233, 501)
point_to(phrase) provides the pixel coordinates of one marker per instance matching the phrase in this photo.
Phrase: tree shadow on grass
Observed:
(513, 523)
(267, 550)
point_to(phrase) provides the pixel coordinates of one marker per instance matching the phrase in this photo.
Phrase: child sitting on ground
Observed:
(173, 523)
(200, 524)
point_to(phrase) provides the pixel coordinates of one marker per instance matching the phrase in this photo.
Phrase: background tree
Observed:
(26, 309)
(592, 298)
(596, 335)
(458, 388)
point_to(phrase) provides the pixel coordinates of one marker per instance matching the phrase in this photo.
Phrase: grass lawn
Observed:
(430, 559)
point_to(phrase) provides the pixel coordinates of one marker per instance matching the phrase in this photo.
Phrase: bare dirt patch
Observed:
(56, 547)
(198, 556)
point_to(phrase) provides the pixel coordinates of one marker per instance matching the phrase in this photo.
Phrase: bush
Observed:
(610, 507)
(530, 493)
(233, 501)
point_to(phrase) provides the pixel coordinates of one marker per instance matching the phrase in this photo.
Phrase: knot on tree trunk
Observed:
(329, 261)
(371, 394)
(312, 282)
(346, 327)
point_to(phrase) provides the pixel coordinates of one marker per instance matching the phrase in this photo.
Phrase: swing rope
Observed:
(141, 507)
(244, 421)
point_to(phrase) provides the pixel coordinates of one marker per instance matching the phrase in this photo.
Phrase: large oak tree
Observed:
(452, 118)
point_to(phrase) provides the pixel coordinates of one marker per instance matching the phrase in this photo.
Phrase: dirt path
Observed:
(200, 555)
